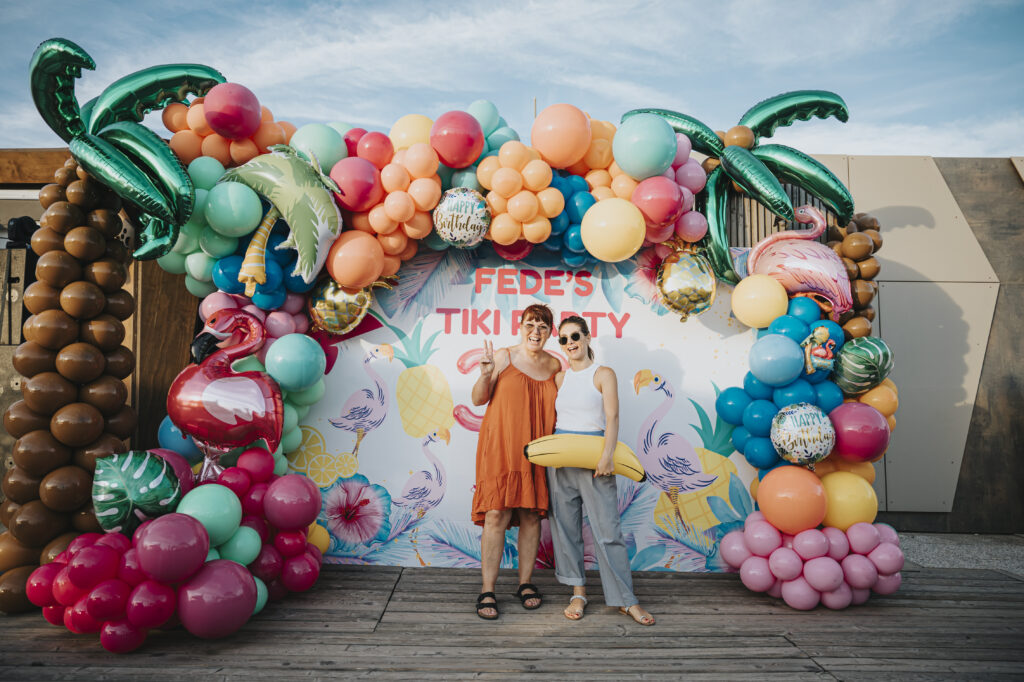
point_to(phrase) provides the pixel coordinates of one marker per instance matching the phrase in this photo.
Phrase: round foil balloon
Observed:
(687, 284)
(462, 218)
(802, 434)
(338, 310)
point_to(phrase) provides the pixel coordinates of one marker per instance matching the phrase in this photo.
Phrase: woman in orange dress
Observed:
(518, 386)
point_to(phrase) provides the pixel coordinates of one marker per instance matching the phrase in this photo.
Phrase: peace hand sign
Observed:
(487, 359)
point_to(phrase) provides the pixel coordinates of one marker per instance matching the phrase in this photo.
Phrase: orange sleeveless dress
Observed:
(521, 409)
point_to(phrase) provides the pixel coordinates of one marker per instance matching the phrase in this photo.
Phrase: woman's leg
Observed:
(566, 522)
(601, 501)
(492, 544)
(529, 541)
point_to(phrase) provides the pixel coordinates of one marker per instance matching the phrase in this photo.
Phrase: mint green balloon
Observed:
(197, 288)
(308, 396)
(213, 554)
(261, 595)
(280, 466)
(342, 128)
(233, 209)
(500, 137)
(216, 507)
(303, 410)
(188, 238)
(172, 262)
(296, 362)
(215, 245)
(486, 115)
(322, 141)
(205, 172)
(199, 266)
(249, 363)
(199, 206)
(291, 440)
(291, 418)
(467, 178)
(242, 547)
(644, 146)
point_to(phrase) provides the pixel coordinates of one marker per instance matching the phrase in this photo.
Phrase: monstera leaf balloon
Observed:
(131, 487)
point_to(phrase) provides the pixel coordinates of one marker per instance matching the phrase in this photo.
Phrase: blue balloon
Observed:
(757, 389)
(757, 417)
(282, 256)
(579, 184)
(787, 325)
(573, 239)
(552, 244)
(797, 391)
(761, 473)
(818, 376)
(275, 276)
(763, 332)
(578, 204)
(225, 275)
(740, 436)
(644, 146)
(296, 285)
(171, 437)
(804, 309)
(560, 223)
(760, 453)
(730, 404)
(828, 396)
(835, 332)
(776, 359)
(269, 300)
(296, 362)
(574, 260)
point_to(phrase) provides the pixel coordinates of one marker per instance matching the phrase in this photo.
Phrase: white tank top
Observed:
(579, 405)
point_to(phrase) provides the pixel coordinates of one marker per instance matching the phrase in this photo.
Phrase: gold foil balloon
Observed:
(687, 284)
(337, 310)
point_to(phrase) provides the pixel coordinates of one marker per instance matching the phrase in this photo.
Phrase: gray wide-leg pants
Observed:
(570, 489)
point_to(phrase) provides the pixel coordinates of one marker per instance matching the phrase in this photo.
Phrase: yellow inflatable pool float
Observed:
(576, 450)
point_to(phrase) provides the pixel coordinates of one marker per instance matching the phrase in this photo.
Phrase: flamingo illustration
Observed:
(671, 463)
(366, 409)
(422, 492)
(221, 408)
(804, 266)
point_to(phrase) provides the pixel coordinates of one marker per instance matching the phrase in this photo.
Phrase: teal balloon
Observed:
(199, 266)
(215, 245)
(296, 362)
(467, 178)
(197, 288)
(249, 363)
(500, 137)
(486, 114)
(216, 507)
(445, 173)
(213, 554)
(303, 410)
(188, 238)
(242, 547)
(291, 440)
(321, 141)
(280, 466)
(644, 146)
(261, 595)
(291, 418)
(205, 172)
(307, 396)
(233, 209)
(434, 242)
(341, 127)
(173, 263)
(199, 207)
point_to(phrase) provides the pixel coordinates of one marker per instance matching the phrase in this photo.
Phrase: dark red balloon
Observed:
(151, 604)
(39, 587)
(290, 542)
(232, 111)
(300, 573)
(92, 565)
(236, 479)
(352, 137)
(268, 564)
(107, 600)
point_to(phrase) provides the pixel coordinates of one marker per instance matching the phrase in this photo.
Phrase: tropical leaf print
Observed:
(457, 546)
(129, 488)
(426, 278)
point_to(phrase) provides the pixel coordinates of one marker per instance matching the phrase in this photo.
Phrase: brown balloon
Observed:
(71, 163)
(55, 329)
(82, 300)
(44, 239)
(116, 251)
(107, 394)
(876, 238)
(857, 246)
(835, 233)
(106, 221)
(37, 453)
(35, 524)
(65, 176)
(123, 423)
(17, 485)
(77, 424)
(82, 173)
(110, 201)
(50, 194)
(12, 590)
(104, 446)
(48, 392)
(66, 489)
(868, 268)
(106, 332)
(40, 296)
(120, 362)
(85, 520)
(80, 362)
(83, 193)
(107, 274)
(55, 547)
(868, 313)
(846, 317)
(31, 359)
(19, 420)
(851, 268)
(61, 216)
(866, 222)
(856, 328)
(120, 304)
(7, 509)
(85, 243)
(14, 553)
(58, 269)
(863, 293)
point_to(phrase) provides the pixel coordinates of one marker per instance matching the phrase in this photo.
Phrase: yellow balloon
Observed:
(850, 498)
(613, 230)
(409, 130)
(759, 299)
(319, 537)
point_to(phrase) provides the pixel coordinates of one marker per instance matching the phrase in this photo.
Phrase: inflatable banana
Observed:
(575, 450)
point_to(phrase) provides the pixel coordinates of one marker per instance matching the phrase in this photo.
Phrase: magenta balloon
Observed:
(799, 595)
(863, 537)
(78, 620)
(129, 569)
(457, 138)
(314, 551)
(687, 200)
(859, 595)
(276, 590)
(691, 226)
(756, 574)
(859, 572)
(785, 564)
(810, 544)
(172, 547)
(39, 586)
(839, 598)
(775, 590)
(116, 541)
(138, 531)
(823, 574)
(683, 149)
(358, 184)
(887, 533)
(182, 469)
(691, 176)
(838, 545)
(92, 565)
(862, 432)
(218, 300)
(292, 502)
(82, 541)
(733, 548)
(107, 600)
(659, 200)
(150, 604)
(887, 584)
(232, 111)
(300, 573)
(887, 558)
(259, 525)
(120, 636)
(762, 538)
(753, 517)
(268, 564)
(217, 600)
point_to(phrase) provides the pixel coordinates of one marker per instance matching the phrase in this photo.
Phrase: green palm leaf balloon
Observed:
(54, 67)
(747, 171)
(800, 105)
(704, 139)
(797, 168)
(128, 488)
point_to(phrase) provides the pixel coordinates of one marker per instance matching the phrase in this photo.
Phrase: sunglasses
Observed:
(575, 336)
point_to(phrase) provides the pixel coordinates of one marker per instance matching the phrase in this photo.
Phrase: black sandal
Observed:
(523, 596)
(481, 605)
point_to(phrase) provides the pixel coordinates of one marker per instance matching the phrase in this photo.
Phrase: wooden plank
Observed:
(30, 166)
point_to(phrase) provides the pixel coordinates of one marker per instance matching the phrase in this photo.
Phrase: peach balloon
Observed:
(523, 206)
(507, 182)
(419, 226)
(513, 154)
(410, 250)
(599, 155)
(883, 399)
(265, 115)
(267, 134)
(614, 170)
(393, 243)
(355, 260)
(623, 185)
(602, 130)
(536, 175)
(175, 117)
(551, 202)
(602, 193)
(792, 499)
(196, 119)
(505, 229)
(394, 178)
(485, 171)
(421, 160)
(380, 222)
(243, 151)
(391, 265)
(218, 147)
(288, 129)
(187, 146)
(561, 133)
(399, 206)
(425, 193)
(537, 230)
(360, 220)
(496, 202)
(598, 178)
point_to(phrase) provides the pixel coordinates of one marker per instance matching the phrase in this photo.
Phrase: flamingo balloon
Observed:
(804, 266)
(366, 409)
(221, 408)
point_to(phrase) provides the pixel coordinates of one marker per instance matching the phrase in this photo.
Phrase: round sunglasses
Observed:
(575, 336)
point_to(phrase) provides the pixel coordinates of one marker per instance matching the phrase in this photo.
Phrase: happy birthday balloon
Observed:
(802, 434)
(462, 217)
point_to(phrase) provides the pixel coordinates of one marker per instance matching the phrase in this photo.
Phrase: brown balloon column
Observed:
(857, 244)
(73, 407)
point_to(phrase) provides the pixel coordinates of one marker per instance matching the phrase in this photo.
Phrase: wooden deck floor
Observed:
(418, 624)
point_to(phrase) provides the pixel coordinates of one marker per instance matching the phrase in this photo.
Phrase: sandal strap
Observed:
(485, 595)
(527, 586)
(578, 596)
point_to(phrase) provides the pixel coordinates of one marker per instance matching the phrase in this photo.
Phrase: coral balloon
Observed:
(792, 498)
(355, 260)
(659, 200)
(359, 186)
(562, 135)
(457, 138)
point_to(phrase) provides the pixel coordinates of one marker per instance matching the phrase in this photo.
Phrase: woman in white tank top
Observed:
(588, 403)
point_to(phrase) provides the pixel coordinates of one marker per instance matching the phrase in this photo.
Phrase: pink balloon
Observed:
(376, 148)
(659, 233)
(78, 620)
(762, 538)
(290, 543)
(687, 199)
(151, 604)
(787, 541)
(859, 572)
(691, 176)
(235, 479)
(457, 138)
(810, 544)
(859, 595)
(358, 184)
(182, 469)
(838, 545)
(733, 548)
(83, 540)
(352, 137)
(839, 598)
(232, 110)
(775, 590)
(294, 303)
(39, 586)
(252, 503)
(300, 572)
(129, 569)
(217, 600)
(92, 565)
(64, 591)
(218, 300)
(258, 463)
(799, 595)
(261, 315)
(279, 323)
(785, 564)
(292, 502)
(276, 590)
(670, 173)
(659, 200)
(691, 226)
(756, 574)
(172, 547)
(663, 251)
(862, 432)
(116, 541)
(887, 533)
(887, 558)
(823, 574)
(863, 537)
(268, 564)
(887, 584)
(301, 323)
(683, 149)
(54, 614)
(120, 636)
(753, 517)
(314, 551)
(258, 524)
(107, 600)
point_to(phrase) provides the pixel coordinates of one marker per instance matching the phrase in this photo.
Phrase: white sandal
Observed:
(576, 596)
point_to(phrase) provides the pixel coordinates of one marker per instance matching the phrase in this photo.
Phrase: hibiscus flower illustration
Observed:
(356, 511)
(642, 282)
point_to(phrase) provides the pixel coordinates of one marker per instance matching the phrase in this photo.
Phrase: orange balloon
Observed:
(537, 230)
(892, 422)
(265, 115)
(598, 178)
(218, 147)
(883, 399)
(513, 154)
(288, 129)
(187, 146)
(792, 499)
(614, 170)
(175, 117)
(602, 193)
(865, 470)
(196, 120)
(399, 206)
(379, 220)
(551, 202)
(410, 250)
(536, 175)
(602, 130)
(579, 168)
(507, 182)
(419, 226)
(393, 243)
(355, 260)
(421, 160)
(561, 133)
(623, 185)
(361, 221)
(497, 203)
(523, 206)
(243, 151)
(505, 229)
(394, 178)
(888, 382)
(391, 265)
(267, 134)
(825, 467)
(425, 193)
(485, 171)
(599, 155)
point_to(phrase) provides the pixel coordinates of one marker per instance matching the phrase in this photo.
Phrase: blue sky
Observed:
(934, 77)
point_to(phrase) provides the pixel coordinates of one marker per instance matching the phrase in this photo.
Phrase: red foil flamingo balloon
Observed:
(223, 409)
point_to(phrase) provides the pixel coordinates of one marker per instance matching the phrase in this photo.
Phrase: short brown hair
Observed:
(539, 312)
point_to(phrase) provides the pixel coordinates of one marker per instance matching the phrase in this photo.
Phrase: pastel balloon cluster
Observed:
(228, 125)
(666, 200)
(288, 318)
(826, 566)
(520, 196)
(598, 160)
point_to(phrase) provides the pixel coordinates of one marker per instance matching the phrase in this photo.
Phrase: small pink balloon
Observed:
(129, 570)
(887, 558)
(301, 323)
(120, 636)
(279, 323)
(762, 538)
(691, 226)
(838, 545)
(863, 537)
(810, 544)
(241, 300)
(775, 590)
(799, 594)
(823, 574)
(733, 549)
(107, 600)
(887, 584)
(753, 517)
(660, 233)
(887, 533)
(300, 573)
(839, 598)
(218, 300)
(39, 587)
(787, 541)
(859, 595)
(659, 200)
(663, 251)
(859, 572)
(82, 541)
(670, 174)
(261, 354)
(756, 575)
(785, 564)
(151, 604)
(294, 303)
(261, 315)
(359, 187)
(683, 149)
(92, 565)
(691, 176)
(687, 199)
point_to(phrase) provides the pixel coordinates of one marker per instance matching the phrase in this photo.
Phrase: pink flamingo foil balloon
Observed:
(803, 266)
